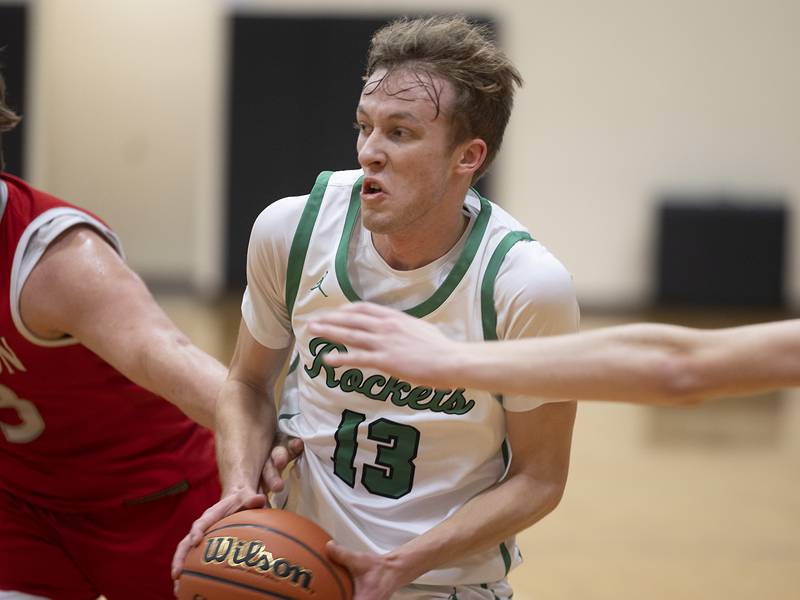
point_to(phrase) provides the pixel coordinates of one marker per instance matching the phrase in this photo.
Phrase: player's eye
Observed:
(361, 127)
(401, 134)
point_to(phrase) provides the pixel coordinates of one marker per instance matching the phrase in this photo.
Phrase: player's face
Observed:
(405, 149)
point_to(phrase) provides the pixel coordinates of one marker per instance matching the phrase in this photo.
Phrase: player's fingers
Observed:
(351, 320)
(280, 457)
(180, 557)
(223, 508)
(296, 447)
(241, 500)
(343, 556)
(250, 501)
(353, 358)
(349, 336)
(198, 530)
(286, 449)
(271, 477)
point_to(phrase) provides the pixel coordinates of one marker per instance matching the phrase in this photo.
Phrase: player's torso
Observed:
(389, 449)
(74, 432)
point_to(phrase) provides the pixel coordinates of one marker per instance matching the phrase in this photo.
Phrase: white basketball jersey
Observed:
(386, 460)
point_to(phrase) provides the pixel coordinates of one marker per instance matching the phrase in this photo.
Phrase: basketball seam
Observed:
(322, 560)
(237, 584)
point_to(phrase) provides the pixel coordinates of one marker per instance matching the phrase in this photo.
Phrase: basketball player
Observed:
(414, 484)
(99, 476)
(644, 363)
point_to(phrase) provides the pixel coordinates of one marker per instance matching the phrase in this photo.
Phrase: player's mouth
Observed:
(372, 190)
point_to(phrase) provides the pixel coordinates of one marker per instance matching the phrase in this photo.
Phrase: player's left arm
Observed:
(82, 288)
(540, 442)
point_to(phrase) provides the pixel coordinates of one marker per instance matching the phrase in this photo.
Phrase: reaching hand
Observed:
(373, 578)
(239, 500)
(390, 341)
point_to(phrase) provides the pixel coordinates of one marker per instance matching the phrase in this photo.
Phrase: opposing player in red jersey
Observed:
(100, 477)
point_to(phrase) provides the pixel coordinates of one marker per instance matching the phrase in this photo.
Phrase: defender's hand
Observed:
(390, 341)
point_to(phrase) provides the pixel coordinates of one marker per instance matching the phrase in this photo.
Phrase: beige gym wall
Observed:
(624, 99)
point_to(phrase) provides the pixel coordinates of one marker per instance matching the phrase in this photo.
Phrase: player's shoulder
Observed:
(503, 220)
(530, 270)
(526, 252)
(279, 217)
(342, 178)
(534, 293)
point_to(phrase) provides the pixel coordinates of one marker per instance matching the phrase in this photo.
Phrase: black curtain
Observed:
(294, 83)
(13, 30)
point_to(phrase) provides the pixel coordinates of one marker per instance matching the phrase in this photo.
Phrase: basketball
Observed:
(263, 553)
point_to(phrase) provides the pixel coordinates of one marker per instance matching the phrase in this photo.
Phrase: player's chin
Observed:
(377, 221)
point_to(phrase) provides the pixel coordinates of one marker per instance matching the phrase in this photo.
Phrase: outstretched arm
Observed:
(82, 288)
(641, 363)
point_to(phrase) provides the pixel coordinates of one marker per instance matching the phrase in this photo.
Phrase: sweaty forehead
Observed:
(407, 86)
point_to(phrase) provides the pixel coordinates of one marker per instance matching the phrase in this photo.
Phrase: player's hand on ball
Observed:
(236, 501)
(374, 579)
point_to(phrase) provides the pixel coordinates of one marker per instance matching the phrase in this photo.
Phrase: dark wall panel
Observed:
(728, 253)
(294, 83)
(13, 29)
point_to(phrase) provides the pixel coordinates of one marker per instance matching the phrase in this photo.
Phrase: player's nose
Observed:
(371, 152)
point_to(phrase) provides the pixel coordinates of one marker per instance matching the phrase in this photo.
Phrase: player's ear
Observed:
(471, 155)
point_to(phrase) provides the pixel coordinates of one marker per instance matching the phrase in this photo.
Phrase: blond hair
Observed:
(462, 53)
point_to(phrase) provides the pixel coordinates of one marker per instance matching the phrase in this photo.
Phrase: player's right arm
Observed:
(245, 430)
(642, 363)
(246, 419)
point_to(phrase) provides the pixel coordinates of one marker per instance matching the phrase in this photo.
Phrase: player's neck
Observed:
(417, 247)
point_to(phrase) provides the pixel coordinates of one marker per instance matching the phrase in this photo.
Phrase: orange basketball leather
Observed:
(263, 553)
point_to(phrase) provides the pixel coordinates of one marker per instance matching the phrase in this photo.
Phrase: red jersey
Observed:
(75, 434)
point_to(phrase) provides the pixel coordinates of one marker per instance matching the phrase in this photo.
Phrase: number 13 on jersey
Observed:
(393, 477)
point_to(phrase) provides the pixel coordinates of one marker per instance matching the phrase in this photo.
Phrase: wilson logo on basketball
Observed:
(251, 555)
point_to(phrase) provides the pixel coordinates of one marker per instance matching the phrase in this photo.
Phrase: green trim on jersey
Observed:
(344, 242)
(448, 285)
(506, 451)
(488, 311)
(293, 365)
(486, 587)
(506, 556)
(489, 319)
(302, 236)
